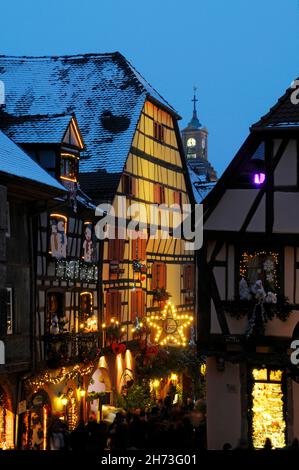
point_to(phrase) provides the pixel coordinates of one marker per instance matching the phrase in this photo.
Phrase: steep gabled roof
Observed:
(105, 93)
(284, 113)
(15, 162)
(36, 129)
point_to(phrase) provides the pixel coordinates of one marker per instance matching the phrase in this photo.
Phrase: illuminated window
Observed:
(56, 320)
(260, 266)
(58, 236)
(6, 423)
(158, 131)
(9, 311)
(87, 320)
(267, 408)
(69, 167)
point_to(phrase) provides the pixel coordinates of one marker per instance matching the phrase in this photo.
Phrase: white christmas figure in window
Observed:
(54, 328)
(259, 290)
(244, 291)
(54, 239)
(88, 244)
(62, 239)
(271, 298)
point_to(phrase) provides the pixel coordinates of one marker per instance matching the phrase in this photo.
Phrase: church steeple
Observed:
(194, 123)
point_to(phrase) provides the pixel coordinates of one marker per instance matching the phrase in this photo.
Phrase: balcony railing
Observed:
(68, 348)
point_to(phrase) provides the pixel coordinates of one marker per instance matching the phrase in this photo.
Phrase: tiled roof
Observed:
(104, 91)
(284, 113)
(36, 129)
(15, 162)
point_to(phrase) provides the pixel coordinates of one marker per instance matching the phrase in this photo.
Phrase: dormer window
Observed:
(69, 167)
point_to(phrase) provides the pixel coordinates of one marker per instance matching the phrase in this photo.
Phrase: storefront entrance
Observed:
(267, 411)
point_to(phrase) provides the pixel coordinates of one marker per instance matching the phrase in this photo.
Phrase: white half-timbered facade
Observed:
(249, 287)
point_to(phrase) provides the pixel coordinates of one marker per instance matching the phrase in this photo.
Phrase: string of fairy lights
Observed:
(169, 326)
(268, 256)
(63, 375)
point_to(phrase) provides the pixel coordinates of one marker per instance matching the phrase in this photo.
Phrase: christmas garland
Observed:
(239, 308)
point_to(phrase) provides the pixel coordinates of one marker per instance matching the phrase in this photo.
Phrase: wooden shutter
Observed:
(116, 250)
(157, 194)
(162, 194)
(133, 186)
(177, 198)
(137, 304)
(128, 185)
(139, 249)
(158, 276)
(113, 305)
(189, 277)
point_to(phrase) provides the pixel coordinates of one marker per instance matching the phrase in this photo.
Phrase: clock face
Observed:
(191, 142)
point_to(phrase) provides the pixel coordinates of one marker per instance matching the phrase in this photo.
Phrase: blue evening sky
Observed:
(242, 54)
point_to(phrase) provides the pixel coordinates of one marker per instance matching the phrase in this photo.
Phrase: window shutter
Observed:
(158, 276)
(189, 277)
(162, 280)
(154, 276)
(133, 186)
(142, 251)
(128, 185)
(137, 304)
(135, 249)
(113, 305)
(177, 198)
(162, 194)
(139, 249)
(116, 249)
(157, 194)
(121, 249)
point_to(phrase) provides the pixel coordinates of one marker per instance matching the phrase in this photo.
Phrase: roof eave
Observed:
(163, 106)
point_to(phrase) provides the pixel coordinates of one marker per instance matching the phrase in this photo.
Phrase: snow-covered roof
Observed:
(15, 162)
(201, 188)
(105, 93)
(36, 129)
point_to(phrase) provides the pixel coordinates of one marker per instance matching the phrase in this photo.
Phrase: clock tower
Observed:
(195, 142)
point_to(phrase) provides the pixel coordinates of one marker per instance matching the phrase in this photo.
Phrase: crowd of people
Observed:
(164, 426)
(161, 427)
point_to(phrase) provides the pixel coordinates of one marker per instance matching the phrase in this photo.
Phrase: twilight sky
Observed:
(241, 54)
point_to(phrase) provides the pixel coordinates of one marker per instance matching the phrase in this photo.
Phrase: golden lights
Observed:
(170, 326)
(267, 410)
(248, 259)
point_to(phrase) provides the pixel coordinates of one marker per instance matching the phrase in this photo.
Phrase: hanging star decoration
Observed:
(170, 326)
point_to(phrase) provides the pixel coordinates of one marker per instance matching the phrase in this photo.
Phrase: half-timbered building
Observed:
(132, 150)
(66, 276)
(249, 286)
(24, 185)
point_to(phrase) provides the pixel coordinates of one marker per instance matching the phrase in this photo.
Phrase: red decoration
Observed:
(118, 348)
(143, 278)
(152, 350)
